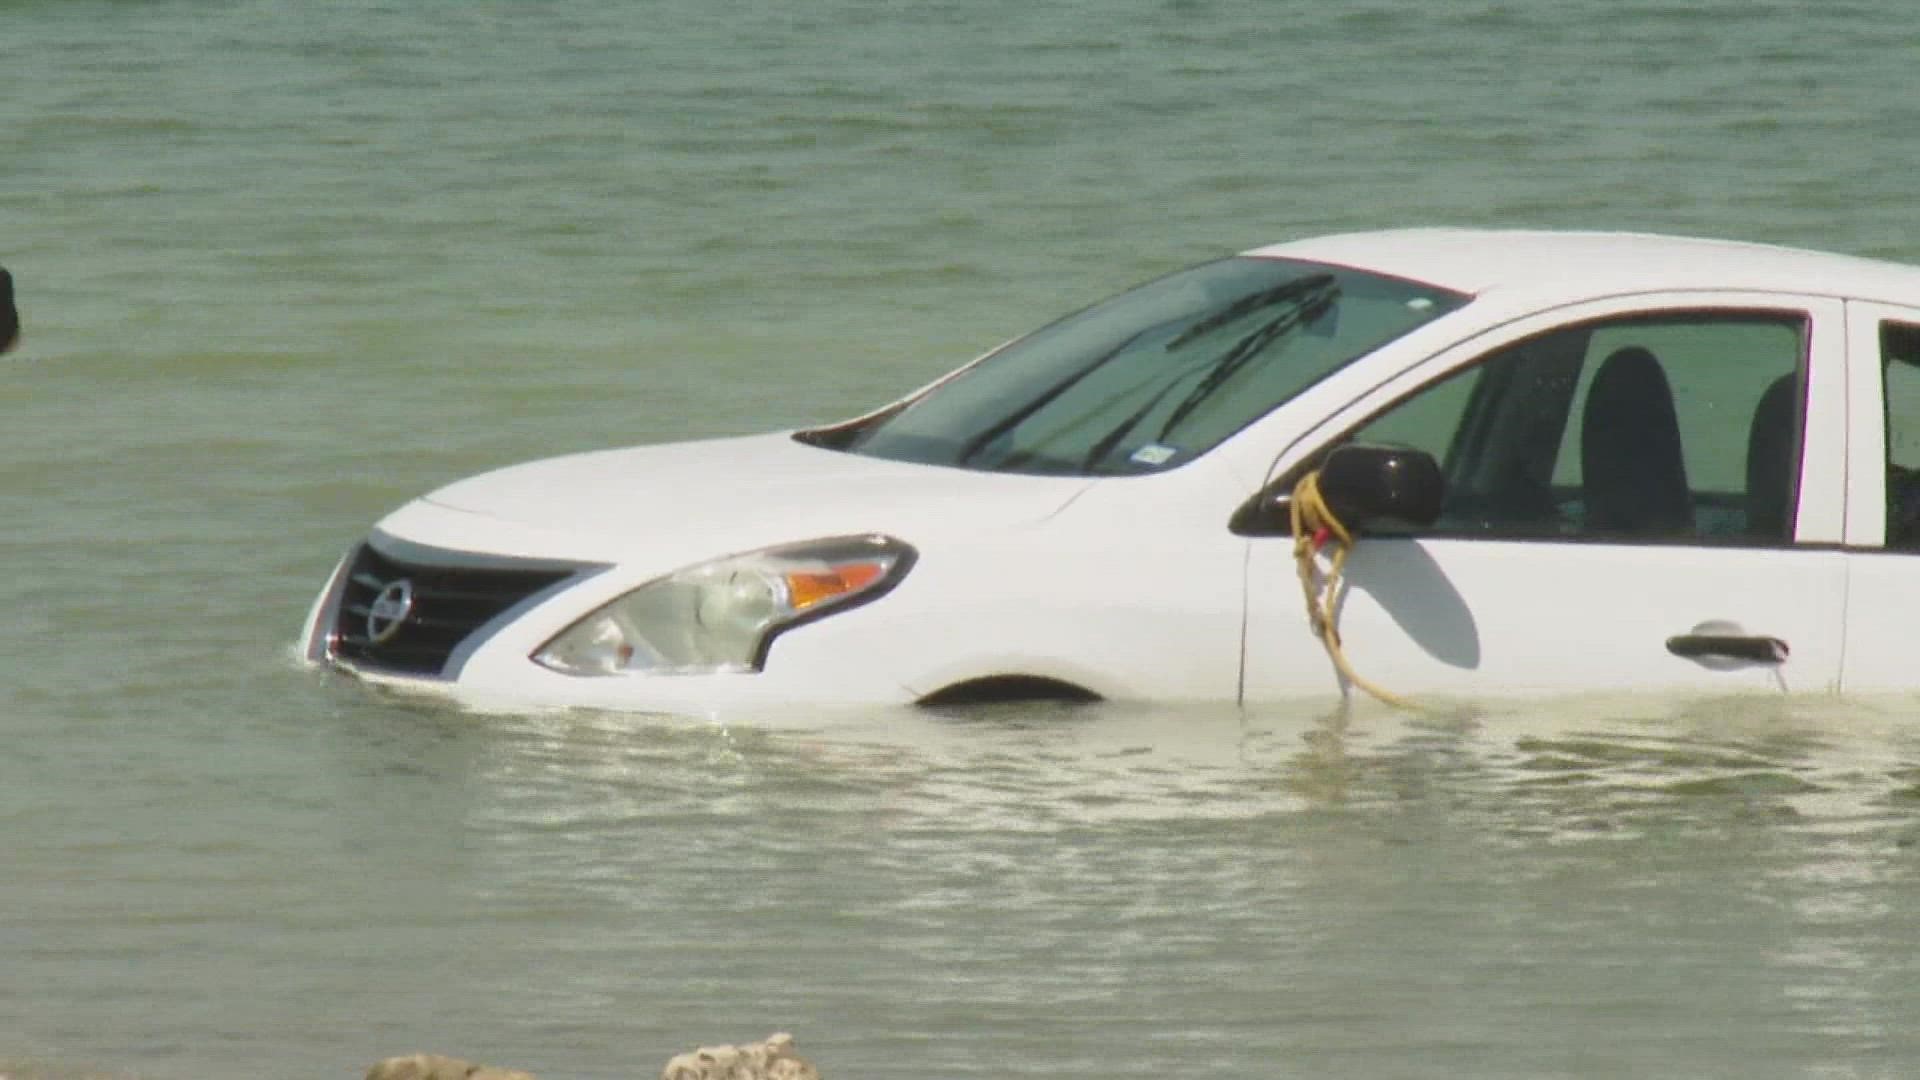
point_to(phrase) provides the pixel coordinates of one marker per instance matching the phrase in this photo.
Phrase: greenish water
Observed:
(284, 265)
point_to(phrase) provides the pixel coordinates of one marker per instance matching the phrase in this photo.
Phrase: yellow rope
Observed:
(1315, 526)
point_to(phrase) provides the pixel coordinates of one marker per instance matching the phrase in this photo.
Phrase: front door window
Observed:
(1670, 428)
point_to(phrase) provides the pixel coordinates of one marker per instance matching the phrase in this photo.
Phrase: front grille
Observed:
(449, 603)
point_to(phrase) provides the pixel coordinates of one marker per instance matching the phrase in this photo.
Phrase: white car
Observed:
(1575, 461)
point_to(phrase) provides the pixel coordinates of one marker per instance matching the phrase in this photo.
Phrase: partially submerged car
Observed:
(1574, 461)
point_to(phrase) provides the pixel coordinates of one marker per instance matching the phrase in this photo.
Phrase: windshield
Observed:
(1154, 377)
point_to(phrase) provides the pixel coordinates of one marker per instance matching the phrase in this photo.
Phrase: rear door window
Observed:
(1900, 383)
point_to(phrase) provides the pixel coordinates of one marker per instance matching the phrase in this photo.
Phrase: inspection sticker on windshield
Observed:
(1153, 454)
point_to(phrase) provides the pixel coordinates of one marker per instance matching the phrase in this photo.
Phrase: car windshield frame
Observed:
(1153, 378)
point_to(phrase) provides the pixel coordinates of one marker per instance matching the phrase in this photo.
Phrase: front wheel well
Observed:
(993, 689)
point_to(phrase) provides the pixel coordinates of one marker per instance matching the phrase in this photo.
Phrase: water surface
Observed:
(285, 265)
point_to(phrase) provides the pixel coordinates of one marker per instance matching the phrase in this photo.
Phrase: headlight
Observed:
(723, 615)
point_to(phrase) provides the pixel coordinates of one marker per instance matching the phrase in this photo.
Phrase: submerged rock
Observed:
(436, 1067)
(10, 1070)
(771, 1059)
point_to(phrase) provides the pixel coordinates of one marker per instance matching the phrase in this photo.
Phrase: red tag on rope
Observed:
(1320, 537)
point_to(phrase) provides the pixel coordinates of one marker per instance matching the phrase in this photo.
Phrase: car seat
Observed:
(1770, 461)
(1632, 472)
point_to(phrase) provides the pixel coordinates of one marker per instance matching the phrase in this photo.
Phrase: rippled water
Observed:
(284, 265)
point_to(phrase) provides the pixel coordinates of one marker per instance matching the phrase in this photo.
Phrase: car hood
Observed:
(682, 502)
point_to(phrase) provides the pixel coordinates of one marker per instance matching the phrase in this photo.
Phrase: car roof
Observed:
(1479, 261)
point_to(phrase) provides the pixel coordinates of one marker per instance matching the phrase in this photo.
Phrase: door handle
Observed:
(1752, 648)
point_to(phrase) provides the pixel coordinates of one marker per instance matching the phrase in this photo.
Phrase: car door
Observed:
(1883, 514)
(1642, 493)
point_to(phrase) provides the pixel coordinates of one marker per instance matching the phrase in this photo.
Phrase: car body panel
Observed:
(672, 505)
(1484, 618)
(1573, 264)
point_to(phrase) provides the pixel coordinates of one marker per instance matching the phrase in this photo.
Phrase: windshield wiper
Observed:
(1250, 303)
(1020, 416)
(1313, 303)
(1310, 297)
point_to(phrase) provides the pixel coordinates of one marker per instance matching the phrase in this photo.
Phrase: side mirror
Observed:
(1362, 485)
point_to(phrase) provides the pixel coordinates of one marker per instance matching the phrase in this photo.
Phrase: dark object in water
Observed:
(9, 315)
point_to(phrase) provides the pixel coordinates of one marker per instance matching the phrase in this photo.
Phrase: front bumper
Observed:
(462, 627)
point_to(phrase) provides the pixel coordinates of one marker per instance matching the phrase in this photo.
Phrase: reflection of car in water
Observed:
(1647, 462)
